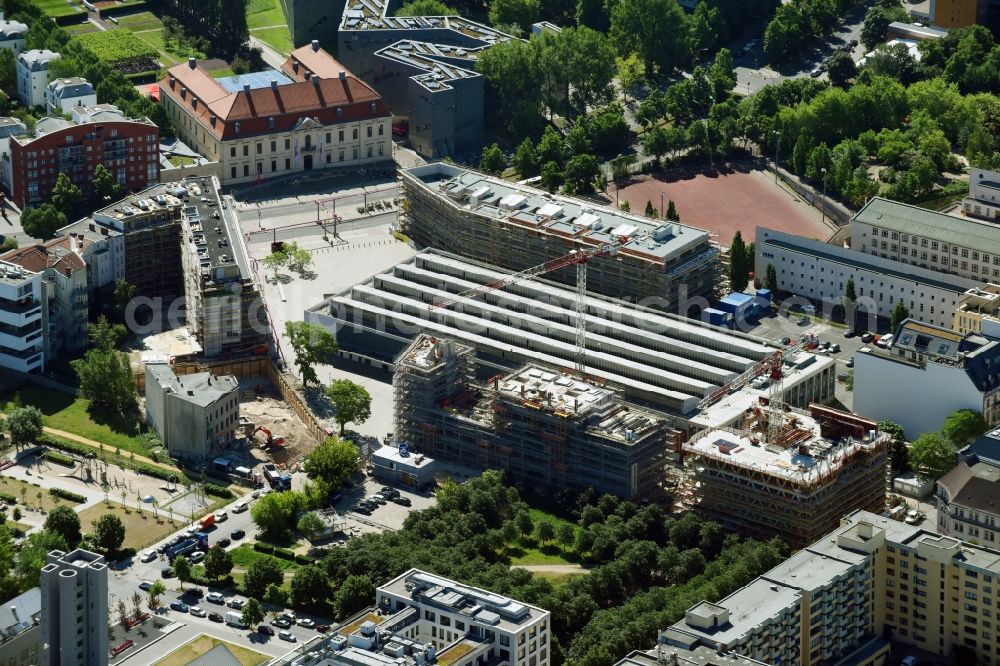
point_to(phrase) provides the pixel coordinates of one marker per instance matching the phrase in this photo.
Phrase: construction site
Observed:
(787, 473)
(663, 265)
(545, 427)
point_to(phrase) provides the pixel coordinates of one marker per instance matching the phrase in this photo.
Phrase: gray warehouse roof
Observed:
(20, 613)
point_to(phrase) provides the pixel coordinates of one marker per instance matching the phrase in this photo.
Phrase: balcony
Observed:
(22, 361)
(20, 315)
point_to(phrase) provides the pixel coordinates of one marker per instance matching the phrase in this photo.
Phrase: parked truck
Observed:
(277, 479)
(234, 619)
(207, 521)
(197, 542)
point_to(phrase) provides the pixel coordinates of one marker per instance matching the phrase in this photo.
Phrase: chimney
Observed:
(13, 611)
(295, 66)
(306, 75)
(172, 82)
(315, 80)
(246, 88)
(192, 62)
(343, 75)
(315, 45)
(274, 84)
(92, 227)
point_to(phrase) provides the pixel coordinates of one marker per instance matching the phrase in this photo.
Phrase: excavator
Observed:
(270, 442)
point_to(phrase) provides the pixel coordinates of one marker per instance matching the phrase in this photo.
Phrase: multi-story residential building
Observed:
(127, 147)
(983, 199)
(978, 309)
(837, 601)
(195, 416)
(8, 128)
(62, 95)
(672, 655)
(65, 291)
(959, 13)
(74, 619)
(819, 272)
(967, 502)
(19, 618)
(512, 226)
(23, 319)
(12, 35)
(421, 618)
(912, 235)
(33, 76)
(931, 366)
(313, 114)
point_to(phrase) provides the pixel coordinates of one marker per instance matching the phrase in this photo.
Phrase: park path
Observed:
(552, 568)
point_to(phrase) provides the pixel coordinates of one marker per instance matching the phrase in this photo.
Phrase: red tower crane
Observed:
(579, 258)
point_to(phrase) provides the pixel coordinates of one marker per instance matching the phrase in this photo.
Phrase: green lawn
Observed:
(202, 644)
(527, 554)
(64, 412)
(556, 579)
(219, 73)
(264, 13)
(33, 496)
(81, 28)
(277, 38)
(538, 514)
(142, 528)
(181, 160)
(140, 21)
(244, 555)
(55, 8)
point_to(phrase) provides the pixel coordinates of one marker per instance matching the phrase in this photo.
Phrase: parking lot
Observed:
(388, 514)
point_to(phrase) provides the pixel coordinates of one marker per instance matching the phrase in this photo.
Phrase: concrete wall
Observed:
(310, 19)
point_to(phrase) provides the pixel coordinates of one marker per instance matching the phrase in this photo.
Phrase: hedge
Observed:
(284, 553)
(84, 450)
(8, 498)
(264, 548)
(304, 560)
(215, 490)
(67, 495)
(59, 458)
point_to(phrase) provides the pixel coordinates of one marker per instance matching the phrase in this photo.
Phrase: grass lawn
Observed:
(180, 160)
(202, 644)
(81, 28)
(31, 499)
(527, 554)
(56, 8)
(64, 412)
(244, 555)
(140, 21)
(277, 38)
(264, 13)
(538, 514)
(141, 528)
(224, 71)
(556, 579)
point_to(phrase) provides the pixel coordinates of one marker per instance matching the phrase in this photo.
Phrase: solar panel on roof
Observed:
(254, 79)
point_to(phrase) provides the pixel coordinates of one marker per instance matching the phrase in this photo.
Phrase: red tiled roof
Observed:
(36, 258)
(315, 61)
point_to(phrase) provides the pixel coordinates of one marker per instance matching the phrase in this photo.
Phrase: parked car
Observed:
(223, 542)
(815, 72)
(145, 585)
(179, 606)
(867, 337)
(162, 548)
(216, 598)
(237, 534)
(835, 348)
(402, 501)
(306, 622)
(913, 517)
(194, 592)
(221, 516)
(378, 499)
(215, 617)
(286, 636)
(148, 556)
(266, 630)
(389, 491)
(196, 557)
(803, 321)
(322, 628)
(281, 622)
(236, 603)
(197, 611)
(363, 510)
(167, 572)
(848, 333)
(850, 362)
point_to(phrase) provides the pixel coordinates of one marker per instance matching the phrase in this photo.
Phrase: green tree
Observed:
(510, 69)
(639, 25)
(771, 278)
(425, 8)
(106, 380)
(521, 13)
(551, 147)
(672, 212)
(155, 592)
(354, 594)
(593, 14)
(877, 20)
(722, 75)
(42, 222)
(252, 612)
(311, 525)
(310, 588)
(31, 556)
(650, 210)
(738, 270)
(313, 345)
(124, 293)
(7, 243)
(631, 72)
(105, 336)
(65, 522)
(899, 314)
(850, 295)
(334, 462)
(109, 533)
(65, 196)
(581, 170)
(275, 595)
(932, 454)
(24, 425)
(8, 72)
(276, 513)
(493, 160)
(218, 562)
(545, 531)
(263, 571)
(526, 159)
(963, 426)
(565, 535)
(552, 177)
(233, 32)
(899, 454)
(352, 402)
(841, 69)
(104, 189)
(275, 261)
(182, 569)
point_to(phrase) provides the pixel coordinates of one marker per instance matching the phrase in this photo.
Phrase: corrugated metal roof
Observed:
(907, 219)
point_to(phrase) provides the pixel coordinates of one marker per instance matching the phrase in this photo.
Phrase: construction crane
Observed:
(579, 258)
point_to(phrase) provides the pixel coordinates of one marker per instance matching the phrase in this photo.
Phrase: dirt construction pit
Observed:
(270, 411)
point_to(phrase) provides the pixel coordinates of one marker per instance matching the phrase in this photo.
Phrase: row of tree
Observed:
(796, 24)
(222, 24)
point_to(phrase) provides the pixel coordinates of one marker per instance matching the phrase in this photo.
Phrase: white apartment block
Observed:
(22, 319)
(983, 200)
(63, 95)
(12, 36)
(966, 247)
(840, 599)
(74, 624)
(820, 272)
(967, 502)
(33, 76)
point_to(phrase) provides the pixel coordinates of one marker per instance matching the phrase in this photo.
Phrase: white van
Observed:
(241, 506)
(885, 341)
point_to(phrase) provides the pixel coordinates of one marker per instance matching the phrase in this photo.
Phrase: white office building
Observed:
(63, 95)
(12, 35)
(22, 319)
(983, 200)
(820, 271)
(33, 76)
(74, 624)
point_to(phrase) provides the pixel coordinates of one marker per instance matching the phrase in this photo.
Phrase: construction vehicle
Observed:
(198, 542)
(271, 441)
(279, 480)
(578, 258)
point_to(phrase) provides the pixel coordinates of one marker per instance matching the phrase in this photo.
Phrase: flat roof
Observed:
(748, 607)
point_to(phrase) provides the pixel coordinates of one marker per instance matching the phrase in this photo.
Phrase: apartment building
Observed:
(127, 147)
(819, 272)
(978, 309)
(311, 115)
(23, 319)
(12, 35)
(967, 499)
(983, 199)
(966, 247)
(33, 76)
(62, 95)
(8, 128)
(672, 655)
(196, 416)
(74, 617)
(19, 619)
(933, 367)
(663, 265)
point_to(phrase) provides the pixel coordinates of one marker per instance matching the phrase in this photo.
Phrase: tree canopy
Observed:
(24, 425)
(333, 462)
(351, 402)
(43, 221)
(964, 426)
(313, 345)
(932, 454)
(109, 533)
(65, 522)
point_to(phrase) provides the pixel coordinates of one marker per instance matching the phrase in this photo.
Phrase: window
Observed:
(232, 172)
(274, 165)
(288, 164)
(274, 146)
(260, 148)
(232, 151)
(246, 169)
(354, 133)
(270, 122)
(288, 144)
(340, 135)
(246, 150)
(369, 132)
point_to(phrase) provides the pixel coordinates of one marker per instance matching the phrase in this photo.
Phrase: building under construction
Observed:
(544, 427)
(663, 265)
(794, 478)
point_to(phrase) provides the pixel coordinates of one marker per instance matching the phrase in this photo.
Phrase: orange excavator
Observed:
(270, 442)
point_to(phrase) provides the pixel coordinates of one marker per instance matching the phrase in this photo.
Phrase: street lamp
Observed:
(823, 207)
(777, 143)
(661, 205)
